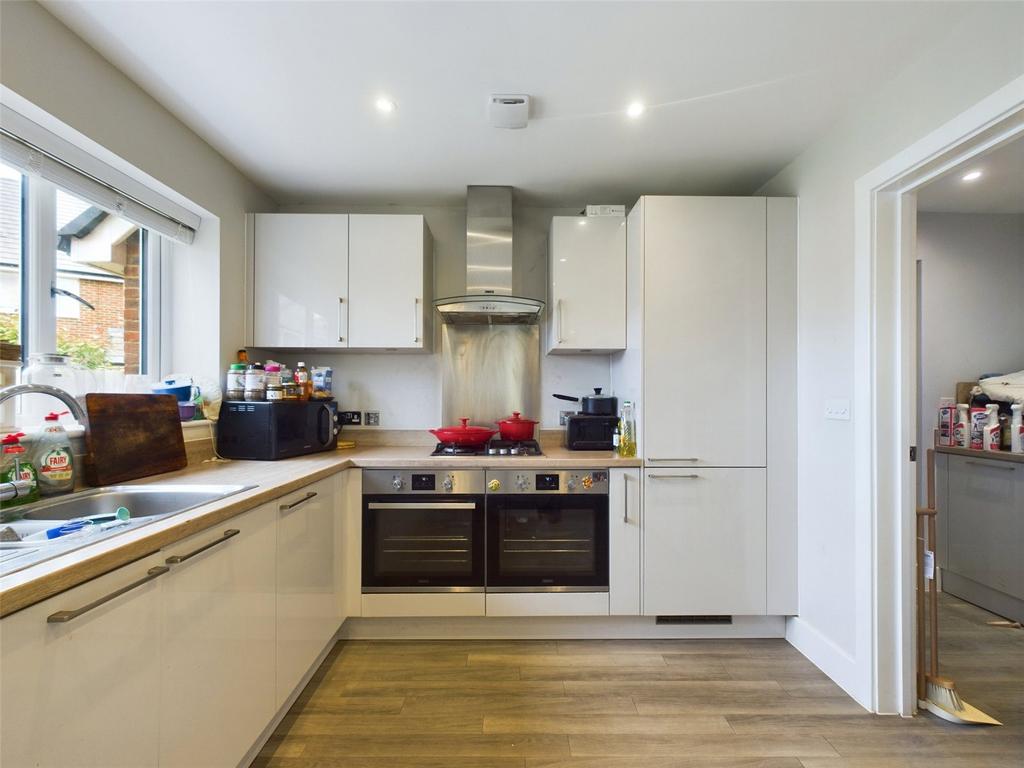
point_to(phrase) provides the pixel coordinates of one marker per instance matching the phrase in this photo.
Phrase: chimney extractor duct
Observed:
(489, 263)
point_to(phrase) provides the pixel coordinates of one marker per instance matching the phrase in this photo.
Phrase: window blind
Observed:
(30, 159)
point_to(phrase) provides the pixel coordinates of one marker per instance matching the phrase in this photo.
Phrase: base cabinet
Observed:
(217, 634)
(704, 541)
(81, 693)
(625, 523)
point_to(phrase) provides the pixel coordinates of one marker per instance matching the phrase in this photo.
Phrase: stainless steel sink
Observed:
(142, 501)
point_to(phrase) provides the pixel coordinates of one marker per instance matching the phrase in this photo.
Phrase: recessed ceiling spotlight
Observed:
(635, 109)
(385, 105)
(972, 176)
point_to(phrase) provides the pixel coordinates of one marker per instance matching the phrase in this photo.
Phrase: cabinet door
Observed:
(704, 541)
(300, 280)
(986, 537)
(386, 281)
(705, 330)
(217, 630)
(307, 611)
(625, 522)
(588, 283)
(81, 693)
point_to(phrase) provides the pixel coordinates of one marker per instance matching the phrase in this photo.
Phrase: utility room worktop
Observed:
(273, 479)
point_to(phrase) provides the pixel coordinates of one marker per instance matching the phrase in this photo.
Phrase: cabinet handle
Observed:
(558, 312)
(341, 314)
(60, 617)
(650, 459)
(175, 559)
(294, 504)
(1008, 467)
(674, 477)
(625, 499)
(415, 321)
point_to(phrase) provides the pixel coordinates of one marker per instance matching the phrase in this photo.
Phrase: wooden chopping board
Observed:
(132, 436)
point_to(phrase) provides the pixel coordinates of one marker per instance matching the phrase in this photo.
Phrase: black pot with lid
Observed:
(596, 404)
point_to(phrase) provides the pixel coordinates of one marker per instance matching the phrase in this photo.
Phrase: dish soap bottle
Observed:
(627, 430)
(1016, 428)
(53, 457)
(16, 466)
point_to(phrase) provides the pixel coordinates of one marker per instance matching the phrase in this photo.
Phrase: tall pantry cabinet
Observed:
(710, 358)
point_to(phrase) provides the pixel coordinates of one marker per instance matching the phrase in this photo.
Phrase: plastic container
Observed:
(53, 458)
(323, 382)
(255, 382)
(16, 465)
(627, 430)
(1016, 428)
(273, 377)
(56, 371)
(235, 384)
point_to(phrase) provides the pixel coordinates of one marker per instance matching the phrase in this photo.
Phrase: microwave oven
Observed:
(276, 430)
(590, 433)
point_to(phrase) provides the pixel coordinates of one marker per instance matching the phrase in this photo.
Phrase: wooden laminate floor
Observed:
(655, 704)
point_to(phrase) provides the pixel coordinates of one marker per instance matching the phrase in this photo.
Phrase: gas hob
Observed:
(492, 448)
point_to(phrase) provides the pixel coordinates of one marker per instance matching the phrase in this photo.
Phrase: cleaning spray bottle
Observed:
(991, 431)
(946, 422)
(962, 428)
(1016, 428)
(53, 457)
(15, 465)
(979, 419)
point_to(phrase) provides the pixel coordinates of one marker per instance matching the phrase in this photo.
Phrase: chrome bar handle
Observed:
(294, 504)
(61, 617)
(674, 477)
(175, 559)
(341, 313)
(688, 460)
(412, 505)
(558, 311)
(1008, 467)
(625, 498)
(416, 320)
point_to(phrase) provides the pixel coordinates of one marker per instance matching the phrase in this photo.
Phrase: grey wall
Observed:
(406, 388)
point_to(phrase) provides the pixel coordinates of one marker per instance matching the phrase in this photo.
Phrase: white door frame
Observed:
(885, 386)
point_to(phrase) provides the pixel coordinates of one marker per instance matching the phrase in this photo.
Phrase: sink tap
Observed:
(44, 389)
(14, 489)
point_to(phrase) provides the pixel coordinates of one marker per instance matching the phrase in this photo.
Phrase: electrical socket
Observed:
(837, 409)
(351, 417)
(563, 417)
(373, 418)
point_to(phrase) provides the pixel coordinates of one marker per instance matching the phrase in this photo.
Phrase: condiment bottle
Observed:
(305, 382)
(275, 390)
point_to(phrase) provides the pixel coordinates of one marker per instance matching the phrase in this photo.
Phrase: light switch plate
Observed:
(563, 417)
(837, 410)
(373, 418)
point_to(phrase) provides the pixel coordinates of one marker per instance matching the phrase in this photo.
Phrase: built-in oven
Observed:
(423, 531)
(547, 531)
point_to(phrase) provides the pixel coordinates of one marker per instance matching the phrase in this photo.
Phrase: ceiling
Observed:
(1000, 189)
(286, 90)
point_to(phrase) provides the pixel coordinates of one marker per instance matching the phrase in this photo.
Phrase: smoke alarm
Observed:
(508, 110)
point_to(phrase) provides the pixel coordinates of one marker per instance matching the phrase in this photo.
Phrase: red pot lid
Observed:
(517, 418)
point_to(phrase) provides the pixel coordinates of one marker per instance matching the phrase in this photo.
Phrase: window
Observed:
(78, 289)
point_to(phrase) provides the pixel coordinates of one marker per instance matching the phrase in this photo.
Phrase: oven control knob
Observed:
(523, 483)
(448, 483)
(494, 485)
(571, 485)
(397, 482)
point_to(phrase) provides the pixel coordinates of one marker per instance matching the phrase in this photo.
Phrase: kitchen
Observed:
(686, 609)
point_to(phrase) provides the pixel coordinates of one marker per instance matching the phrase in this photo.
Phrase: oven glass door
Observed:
(423, 543)
(539, 542)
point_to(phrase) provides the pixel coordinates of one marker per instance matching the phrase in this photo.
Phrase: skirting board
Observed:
(828, 657)
(555, 628)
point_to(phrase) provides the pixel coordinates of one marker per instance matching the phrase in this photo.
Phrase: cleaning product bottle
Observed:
(15, 465)
(947, 421)
(1016, 428)
(53, 457)
(992, 436)
(627, 436)
(962, 428)
(979, 418)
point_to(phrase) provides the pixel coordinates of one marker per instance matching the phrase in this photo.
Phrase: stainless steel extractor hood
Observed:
(489, 266)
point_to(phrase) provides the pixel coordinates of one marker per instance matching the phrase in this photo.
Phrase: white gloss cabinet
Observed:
(390, 282)
(307, 602)
(625, 524)
(218, 638)
(84, 692)
(587, 299)
(704, 541)
(299, 272)
(705, 331)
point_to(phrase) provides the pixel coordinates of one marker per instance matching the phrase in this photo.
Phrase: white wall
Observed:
(44, 62)
(944, 82)
(972, 317)
(406, 388)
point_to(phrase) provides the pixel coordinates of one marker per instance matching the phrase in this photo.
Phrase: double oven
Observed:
(513, 530)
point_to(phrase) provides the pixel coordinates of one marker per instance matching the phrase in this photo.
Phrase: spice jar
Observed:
(235, 389)
(290, 389)
(255, 382)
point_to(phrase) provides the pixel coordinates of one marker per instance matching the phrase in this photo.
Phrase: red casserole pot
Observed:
(464, 435)
(516, 428)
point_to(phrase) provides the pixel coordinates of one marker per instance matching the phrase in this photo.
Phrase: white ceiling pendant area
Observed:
(287, 90)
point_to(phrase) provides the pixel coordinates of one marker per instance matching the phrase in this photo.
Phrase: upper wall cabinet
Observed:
(588, 284)
(340, 281)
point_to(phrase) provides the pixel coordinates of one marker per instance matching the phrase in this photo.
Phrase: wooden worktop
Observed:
(993, 455)
(272, 480)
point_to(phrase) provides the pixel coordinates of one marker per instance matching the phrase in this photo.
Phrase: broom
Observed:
(936, 693)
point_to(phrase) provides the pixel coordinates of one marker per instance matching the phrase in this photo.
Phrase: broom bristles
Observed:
(943, 692)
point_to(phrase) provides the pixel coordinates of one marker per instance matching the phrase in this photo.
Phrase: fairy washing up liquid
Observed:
(15, 465)
(53, 458)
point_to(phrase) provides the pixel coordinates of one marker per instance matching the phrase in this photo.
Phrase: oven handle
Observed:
(422, 505)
